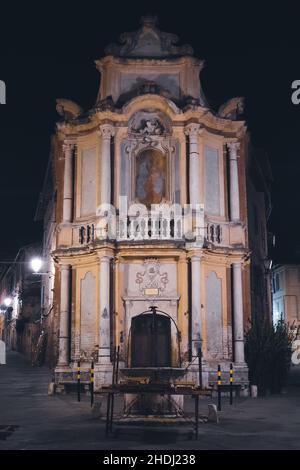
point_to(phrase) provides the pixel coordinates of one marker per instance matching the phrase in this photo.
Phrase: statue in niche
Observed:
(150, 177)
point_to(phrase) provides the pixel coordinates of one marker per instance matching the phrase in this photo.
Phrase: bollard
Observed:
(231, 384)
(219, 387)
(78, 380)
(92, 383)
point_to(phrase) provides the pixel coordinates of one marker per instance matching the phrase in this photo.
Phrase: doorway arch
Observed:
(150, 341)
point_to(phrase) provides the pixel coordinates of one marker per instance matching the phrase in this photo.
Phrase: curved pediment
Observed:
(148, 41)
(151, 102)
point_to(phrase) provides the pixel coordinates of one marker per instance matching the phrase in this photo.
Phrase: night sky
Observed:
(48, 52)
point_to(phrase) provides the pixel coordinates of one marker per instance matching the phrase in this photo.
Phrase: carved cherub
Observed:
(151, 127)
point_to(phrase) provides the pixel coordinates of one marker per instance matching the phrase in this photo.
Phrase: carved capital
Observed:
(68, 148)
(104, 259)
(192, 130)
(196, 258)
(65, 267)
(233, 148)
(106, 131)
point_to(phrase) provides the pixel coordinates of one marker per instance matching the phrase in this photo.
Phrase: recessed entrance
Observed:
(151, 341)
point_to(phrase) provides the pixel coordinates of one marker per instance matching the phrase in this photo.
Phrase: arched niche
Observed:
(151, 177)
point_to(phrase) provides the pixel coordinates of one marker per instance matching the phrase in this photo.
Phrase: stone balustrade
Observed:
(133, 228)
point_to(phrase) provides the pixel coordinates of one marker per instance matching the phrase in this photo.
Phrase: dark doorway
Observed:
(151, 341)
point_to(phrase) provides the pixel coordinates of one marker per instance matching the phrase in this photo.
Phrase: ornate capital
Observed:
(68, 148)
(233, 147)
(196, 258)
(192, 129)
(106, 131)
(65, 267)
(104, 259)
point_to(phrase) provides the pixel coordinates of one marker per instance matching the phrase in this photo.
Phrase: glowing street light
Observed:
(7, 301)
(36, 264)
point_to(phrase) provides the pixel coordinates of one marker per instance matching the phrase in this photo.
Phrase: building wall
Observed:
(21, 320)
(84, 257)
(286, 294)
(192, 280)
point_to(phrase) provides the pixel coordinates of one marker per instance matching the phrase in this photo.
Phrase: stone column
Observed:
(68, 183)
(64, 322)
(106, 132)
(192, 130)
(234, 195)
(104, 318)
(196, 305)
(238, 317)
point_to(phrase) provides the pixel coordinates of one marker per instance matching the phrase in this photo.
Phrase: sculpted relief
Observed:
(147, 123)
(152, 277)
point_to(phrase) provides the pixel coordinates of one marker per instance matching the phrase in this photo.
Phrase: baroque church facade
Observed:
(150, 141)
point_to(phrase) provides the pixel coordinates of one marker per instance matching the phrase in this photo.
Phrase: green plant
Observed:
(268, 350)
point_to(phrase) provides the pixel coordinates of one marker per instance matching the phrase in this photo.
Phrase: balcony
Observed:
(211, 233)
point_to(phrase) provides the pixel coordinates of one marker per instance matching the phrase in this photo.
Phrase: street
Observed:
(30, 419)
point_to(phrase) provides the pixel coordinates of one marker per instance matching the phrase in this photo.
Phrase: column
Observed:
(104, 320)
(68, 183)
(182, 323)
(234, 195)
(106, 132)
(192, 131)
(196, 304)
(64, 322)
(238, 316)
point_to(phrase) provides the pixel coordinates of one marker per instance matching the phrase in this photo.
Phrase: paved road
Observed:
(30, 419)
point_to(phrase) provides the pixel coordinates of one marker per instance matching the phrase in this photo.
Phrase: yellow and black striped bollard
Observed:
(78, 380)
(92, 383)
(219, 387)
(231, 384)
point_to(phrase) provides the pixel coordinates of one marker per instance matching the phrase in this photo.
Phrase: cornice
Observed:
(168, 62)
(120, 118)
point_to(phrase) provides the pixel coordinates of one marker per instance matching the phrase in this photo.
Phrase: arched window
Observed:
(151, 177)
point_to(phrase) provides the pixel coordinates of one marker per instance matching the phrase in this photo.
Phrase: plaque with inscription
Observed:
(151, 291)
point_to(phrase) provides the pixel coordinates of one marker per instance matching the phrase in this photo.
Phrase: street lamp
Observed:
(7, 301)
(36, 264)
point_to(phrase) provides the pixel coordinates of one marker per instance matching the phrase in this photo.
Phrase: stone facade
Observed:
(286, 294)
(150, 138)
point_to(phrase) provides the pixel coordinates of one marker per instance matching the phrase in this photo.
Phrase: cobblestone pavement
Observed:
(30, 419)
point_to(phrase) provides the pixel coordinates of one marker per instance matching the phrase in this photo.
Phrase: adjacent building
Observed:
(286, 294)
(46, 212)
(20, 301)
(259, 181)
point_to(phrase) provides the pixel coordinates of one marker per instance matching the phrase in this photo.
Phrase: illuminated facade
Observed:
(151, 138)
(286, 294)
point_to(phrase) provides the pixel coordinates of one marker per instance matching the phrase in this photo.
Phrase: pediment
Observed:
(148, 41)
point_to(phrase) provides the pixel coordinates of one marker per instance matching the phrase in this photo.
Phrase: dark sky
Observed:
(48, 52)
